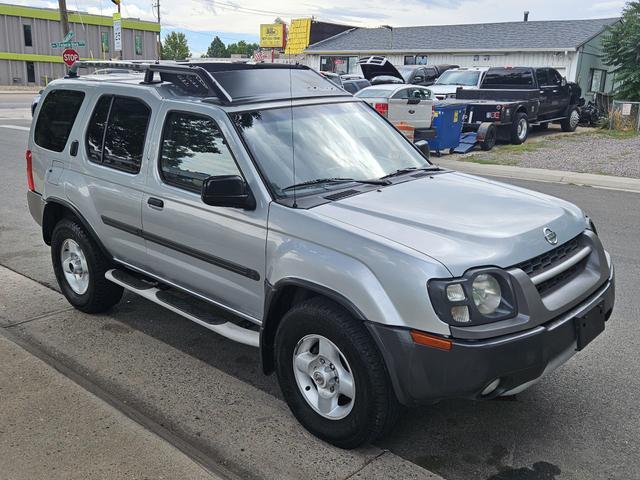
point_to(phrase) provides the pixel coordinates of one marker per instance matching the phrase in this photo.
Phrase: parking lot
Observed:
(580, 422)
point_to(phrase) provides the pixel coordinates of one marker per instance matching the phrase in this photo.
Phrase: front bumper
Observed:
(422, 374)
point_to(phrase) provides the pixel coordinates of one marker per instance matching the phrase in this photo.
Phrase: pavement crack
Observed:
(39, 317)
(366, 464)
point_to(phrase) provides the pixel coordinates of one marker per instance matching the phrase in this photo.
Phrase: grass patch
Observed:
(494, 159)
(620, 134)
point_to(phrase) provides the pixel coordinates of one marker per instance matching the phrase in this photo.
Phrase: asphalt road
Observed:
(580, 422)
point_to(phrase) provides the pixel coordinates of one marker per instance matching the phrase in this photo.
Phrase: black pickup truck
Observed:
(515, 98)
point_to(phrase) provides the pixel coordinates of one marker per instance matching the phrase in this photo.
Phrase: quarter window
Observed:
(56, 118)
(193, 149)
(116, 133)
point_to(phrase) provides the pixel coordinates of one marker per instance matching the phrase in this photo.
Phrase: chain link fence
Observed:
(624, 116)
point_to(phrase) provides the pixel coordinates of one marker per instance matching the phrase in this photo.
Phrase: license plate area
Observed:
(589, 326)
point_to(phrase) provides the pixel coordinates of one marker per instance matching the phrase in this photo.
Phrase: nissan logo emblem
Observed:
(550, 236)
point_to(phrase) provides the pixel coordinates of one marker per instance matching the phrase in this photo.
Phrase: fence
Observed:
(624, 116)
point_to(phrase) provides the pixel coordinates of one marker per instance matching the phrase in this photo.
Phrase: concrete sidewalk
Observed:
(542, 175)
(52, 428)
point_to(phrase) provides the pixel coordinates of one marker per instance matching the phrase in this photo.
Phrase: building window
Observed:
(339, 65)
(31, 72)
(421, 59)
(28, 40)
(409, 60)
(598, 79)
(138, 44)
(104, 42)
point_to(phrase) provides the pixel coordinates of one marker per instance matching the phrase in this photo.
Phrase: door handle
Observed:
(73, 149)
(155, 202)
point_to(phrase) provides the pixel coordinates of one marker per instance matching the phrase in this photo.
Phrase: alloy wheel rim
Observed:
(522, 129)
(74, 266)
(324, 377)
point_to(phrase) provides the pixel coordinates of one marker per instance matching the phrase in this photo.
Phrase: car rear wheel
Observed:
(520, 129)
(332, 375)
(79, 266)
(570, 123)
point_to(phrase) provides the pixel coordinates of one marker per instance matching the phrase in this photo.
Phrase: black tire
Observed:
(375, 407)
(489, 139)
(101, 294)
(518, 138)
(571, 121)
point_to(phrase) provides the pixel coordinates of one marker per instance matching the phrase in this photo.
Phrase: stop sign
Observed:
(70, 56)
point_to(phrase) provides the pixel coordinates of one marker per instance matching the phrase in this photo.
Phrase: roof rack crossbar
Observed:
(201, 76)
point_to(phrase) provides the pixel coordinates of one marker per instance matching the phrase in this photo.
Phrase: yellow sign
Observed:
(299, 33)
(272, 35)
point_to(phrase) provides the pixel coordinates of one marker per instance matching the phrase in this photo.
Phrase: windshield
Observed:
(374, 92)
(330, 141)
(406, 72)
(458, 77)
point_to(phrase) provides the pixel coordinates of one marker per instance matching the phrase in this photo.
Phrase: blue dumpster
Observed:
(448, 119)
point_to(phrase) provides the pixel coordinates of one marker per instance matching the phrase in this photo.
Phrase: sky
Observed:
(233, 20)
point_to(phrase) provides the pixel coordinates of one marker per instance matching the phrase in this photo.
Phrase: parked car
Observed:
(514, 98)
(291, 217)
(410, 104)
(379, 70)
(464, 77)
(351, 83)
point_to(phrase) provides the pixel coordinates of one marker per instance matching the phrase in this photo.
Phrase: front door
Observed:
(215, 252)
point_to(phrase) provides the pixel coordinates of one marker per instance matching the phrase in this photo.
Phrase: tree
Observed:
(242, 48)
(175, 47)
(621, 45)
(217, 49)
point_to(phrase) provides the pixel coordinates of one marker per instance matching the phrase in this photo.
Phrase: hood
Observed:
(375, 66)
(461, 220)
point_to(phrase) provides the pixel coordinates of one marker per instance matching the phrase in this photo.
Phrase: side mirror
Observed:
(423, 146)
(227, 191)
(417, 79)
(564, 81)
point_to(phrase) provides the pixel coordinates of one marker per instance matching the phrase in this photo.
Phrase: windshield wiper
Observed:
(402, 171)
(319, 181)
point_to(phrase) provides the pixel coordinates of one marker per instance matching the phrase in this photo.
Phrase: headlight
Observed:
(479, 296)
(487, 293)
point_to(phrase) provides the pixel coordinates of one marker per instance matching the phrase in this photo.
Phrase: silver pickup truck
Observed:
(273, 208)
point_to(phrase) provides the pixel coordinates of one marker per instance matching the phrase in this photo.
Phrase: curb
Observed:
(543, 175)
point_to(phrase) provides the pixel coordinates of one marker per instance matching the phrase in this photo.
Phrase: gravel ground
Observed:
(584, 151)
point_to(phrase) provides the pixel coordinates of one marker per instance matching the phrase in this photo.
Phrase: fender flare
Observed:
(47, 228)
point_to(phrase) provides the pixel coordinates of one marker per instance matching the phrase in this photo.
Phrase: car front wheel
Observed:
(332, 374)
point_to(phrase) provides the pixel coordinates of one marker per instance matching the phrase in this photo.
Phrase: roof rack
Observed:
(229, 82)
(192, 78)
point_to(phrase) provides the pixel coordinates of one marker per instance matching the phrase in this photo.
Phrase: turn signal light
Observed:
(29, 159)
(432, 341)
(382, 108)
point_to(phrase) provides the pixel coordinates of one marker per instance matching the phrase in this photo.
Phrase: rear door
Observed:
(411, 105)
(560, 93)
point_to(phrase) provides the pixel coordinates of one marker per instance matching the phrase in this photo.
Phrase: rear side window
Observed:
(56, 118)
(192, 150)
(508, 78)
(116, 133)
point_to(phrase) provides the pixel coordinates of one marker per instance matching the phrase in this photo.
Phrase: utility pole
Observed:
(158, 37)
(64, 18)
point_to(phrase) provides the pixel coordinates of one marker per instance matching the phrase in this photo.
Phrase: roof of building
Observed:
(505, 36)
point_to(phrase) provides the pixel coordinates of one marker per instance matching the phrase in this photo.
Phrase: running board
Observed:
(183, 304)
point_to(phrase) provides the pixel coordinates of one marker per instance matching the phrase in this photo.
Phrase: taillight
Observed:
(29, 159)
(382, 108)
(493, 115)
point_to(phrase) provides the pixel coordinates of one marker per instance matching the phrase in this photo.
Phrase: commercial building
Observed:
(573, 47)
(26, 34)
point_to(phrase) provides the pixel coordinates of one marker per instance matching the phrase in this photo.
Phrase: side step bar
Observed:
(194, 309)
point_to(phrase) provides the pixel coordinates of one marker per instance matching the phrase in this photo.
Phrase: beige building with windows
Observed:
(26, 34)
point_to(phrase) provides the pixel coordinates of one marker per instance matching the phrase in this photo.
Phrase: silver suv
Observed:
(266, 204)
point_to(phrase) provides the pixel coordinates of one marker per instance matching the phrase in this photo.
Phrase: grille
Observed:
(553, 257)
(559, 279)
(339, 195)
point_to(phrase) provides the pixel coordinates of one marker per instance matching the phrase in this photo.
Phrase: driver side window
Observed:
(193, 149)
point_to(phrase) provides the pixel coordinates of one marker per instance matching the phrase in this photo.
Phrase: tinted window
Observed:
(541, 76)
(554, 77)
(56, 118)
(192, 150)
(125, 120)
(28, 41)
(508, 78)
(95, 133)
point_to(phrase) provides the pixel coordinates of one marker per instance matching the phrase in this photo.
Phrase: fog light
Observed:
(460, 314)
(455, 293)
(491, 387)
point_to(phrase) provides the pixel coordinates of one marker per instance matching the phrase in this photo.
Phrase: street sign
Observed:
(70, 56)
(117, 32)
(68, 44)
